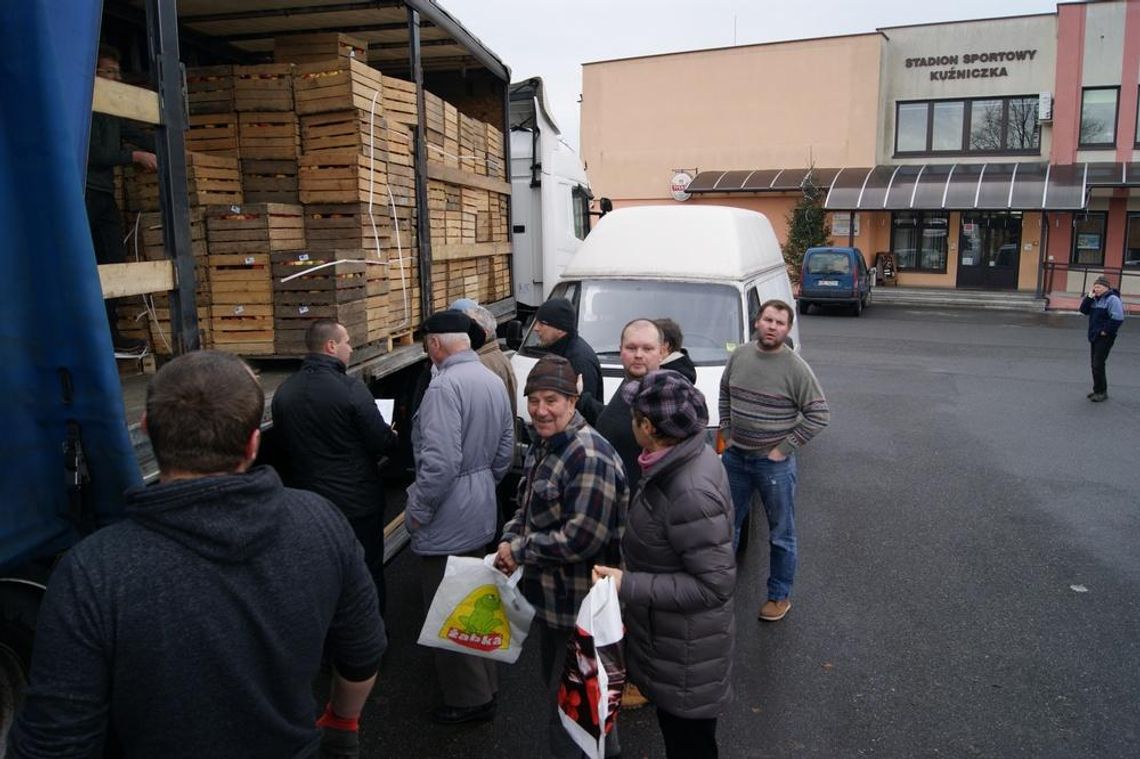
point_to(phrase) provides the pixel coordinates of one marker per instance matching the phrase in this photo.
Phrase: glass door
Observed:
(989, 250)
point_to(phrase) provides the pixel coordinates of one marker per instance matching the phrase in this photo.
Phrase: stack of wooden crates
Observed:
(302, 193)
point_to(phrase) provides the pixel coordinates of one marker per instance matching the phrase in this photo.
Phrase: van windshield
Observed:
(828, 263)
(710, 316)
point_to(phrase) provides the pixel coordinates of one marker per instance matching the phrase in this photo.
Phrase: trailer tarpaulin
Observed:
(58, 380)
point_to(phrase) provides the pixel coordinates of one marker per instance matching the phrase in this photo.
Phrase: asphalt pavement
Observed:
(969, 585)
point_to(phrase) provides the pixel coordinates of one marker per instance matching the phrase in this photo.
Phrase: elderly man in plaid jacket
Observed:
(572, 502)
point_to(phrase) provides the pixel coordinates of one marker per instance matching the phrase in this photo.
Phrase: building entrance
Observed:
(989, 250)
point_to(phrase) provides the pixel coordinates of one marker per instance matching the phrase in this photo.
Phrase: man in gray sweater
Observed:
(770, 406)
(463, 442)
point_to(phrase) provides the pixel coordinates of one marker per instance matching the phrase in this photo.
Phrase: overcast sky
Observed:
(553, 38)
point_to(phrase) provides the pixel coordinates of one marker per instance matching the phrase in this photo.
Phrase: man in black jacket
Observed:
(195, 626)
(555, 323)
(330, 435)
(106, 151)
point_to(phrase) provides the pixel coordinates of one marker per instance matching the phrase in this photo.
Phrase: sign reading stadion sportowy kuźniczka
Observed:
(966, 65)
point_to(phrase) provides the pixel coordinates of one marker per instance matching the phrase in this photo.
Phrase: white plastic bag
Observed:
(594, 674)
(478, 610)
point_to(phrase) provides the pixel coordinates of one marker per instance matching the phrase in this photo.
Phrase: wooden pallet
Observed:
(341, 177)
(336, 85)
(311, 48)
(213, 134)
(266, 87)
(210, 89)
(255, 228)
(267, 135)
(270, 181)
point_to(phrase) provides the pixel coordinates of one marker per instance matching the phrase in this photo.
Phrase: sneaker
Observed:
(1090, 395)
(632, 697)
(1098, 397)
(773, 610)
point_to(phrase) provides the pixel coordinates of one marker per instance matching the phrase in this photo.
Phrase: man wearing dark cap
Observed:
(330, 436)
(463, 443)
(1106, 313)
(572, 501)
(556, 324)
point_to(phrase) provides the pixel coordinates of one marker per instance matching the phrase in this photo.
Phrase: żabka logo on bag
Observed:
(479, 621)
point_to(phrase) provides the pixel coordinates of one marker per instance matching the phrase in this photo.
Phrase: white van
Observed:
(706, 267)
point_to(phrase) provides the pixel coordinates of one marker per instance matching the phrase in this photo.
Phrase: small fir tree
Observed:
(807, 224)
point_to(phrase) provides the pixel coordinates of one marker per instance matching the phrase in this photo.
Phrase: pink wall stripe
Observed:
(1129, 79)
(1067, 92)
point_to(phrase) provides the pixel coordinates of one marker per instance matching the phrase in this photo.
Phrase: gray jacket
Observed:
(679, 581)
(463, 442)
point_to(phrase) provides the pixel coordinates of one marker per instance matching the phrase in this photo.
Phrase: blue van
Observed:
(835, 276)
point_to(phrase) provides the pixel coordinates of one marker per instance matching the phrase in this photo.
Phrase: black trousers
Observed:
(370, 532)
(1099, 350)
(107, 235)
(687, 738)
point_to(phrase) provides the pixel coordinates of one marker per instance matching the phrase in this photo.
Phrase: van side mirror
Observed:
(606, 205)
(514, 334)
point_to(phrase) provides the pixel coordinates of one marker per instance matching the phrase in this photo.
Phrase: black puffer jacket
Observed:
(330, 435)
(679, 582)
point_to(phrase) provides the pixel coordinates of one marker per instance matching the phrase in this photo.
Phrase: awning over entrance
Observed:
(955, 186)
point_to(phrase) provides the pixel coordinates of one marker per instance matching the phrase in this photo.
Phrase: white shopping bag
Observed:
(594, 674)
(478, 610)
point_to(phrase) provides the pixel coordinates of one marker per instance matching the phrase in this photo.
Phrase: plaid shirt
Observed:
(573, 498)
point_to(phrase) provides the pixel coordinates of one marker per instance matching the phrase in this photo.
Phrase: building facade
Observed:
(997, 154)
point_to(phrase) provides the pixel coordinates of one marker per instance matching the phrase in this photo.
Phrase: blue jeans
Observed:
(776, 481)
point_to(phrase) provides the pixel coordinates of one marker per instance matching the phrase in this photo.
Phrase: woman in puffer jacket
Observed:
(679, 574)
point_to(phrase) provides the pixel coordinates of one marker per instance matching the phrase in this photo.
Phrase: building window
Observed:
(1001, 125)
(912, 121)
(1132, 244)
(918, 240)
(1098, 117)
(1088, 238)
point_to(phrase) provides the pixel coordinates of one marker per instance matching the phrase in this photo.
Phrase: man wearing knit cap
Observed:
(463, 443)
(771, 405)
(1106, 313)
(556, 324)
(572, 500)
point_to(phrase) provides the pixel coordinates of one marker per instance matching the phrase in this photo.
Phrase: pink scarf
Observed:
(647, 459)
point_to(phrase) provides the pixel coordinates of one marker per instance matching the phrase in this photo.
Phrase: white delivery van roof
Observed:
(707, 243)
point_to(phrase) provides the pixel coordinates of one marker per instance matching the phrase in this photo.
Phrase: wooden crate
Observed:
(341, 176)
(331, 276)
(336, 85)
(161, 332)
(213, 134)
(496, 154)
(328, 227)
(241, 303)
(269, 135)
(210, 180)
(360, 130)
(146, 242)
(312, 48)
(399, 99)
(210, 89)
(293, 320)
(267, 87)
(269, 181)
(255, 228)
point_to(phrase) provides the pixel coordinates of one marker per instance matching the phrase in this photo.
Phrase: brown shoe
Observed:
(774, 611)
(632, 697)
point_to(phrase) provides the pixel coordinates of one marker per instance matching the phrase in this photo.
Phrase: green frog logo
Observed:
(478, 621)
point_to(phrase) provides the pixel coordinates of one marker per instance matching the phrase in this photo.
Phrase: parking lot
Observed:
(968, 579)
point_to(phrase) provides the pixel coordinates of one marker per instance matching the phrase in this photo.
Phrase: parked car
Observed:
(835, 277)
